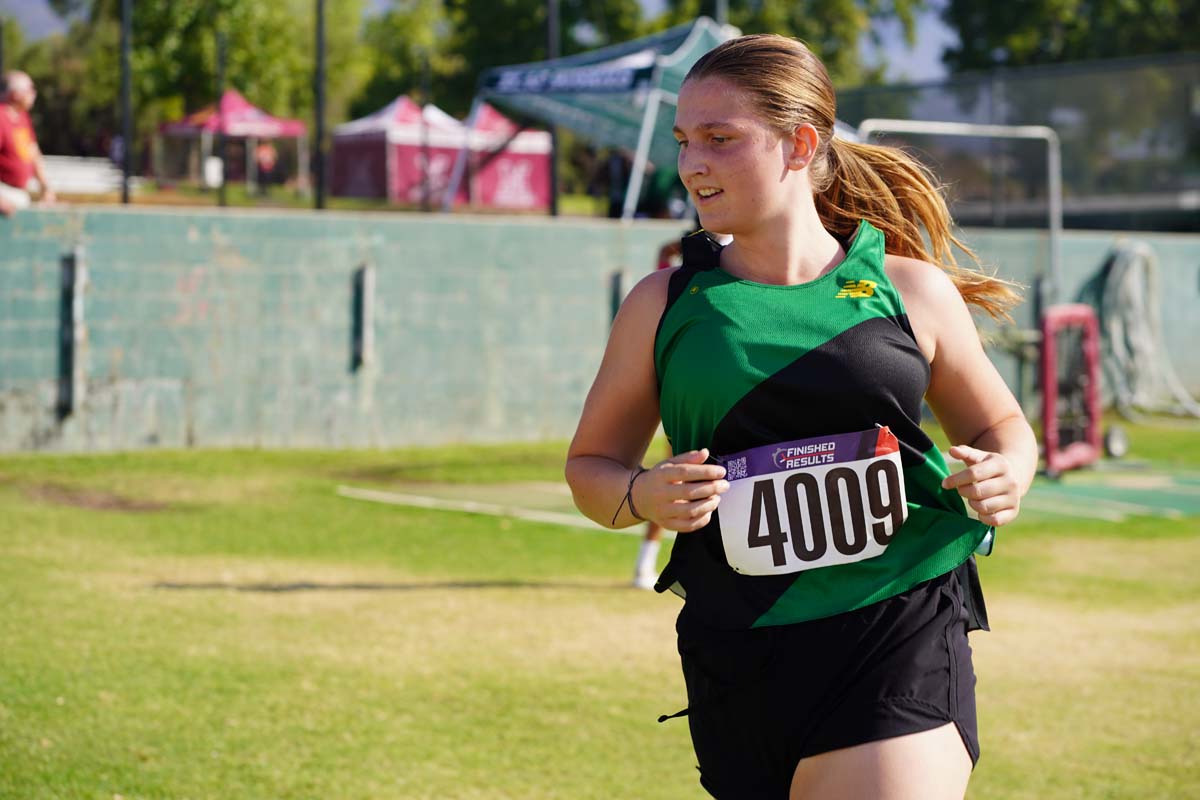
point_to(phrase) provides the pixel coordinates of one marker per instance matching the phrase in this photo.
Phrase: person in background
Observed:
(266, 157)
(20, 157)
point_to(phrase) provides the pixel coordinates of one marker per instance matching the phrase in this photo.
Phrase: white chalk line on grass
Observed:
(1095, 508)
(1035, 502)
(490, 509)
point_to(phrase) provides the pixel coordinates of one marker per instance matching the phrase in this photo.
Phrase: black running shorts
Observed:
(760, 700)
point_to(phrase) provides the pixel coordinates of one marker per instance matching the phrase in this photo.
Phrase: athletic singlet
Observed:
(793, 374)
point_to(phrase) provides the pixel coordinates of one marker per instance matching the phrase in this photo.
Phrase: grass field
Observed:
(222, 624)
(238, 196)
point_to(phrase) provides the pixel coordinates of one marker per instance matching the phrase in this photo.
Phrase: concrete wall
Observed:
(208, 328)
(1022, 255)
(217, 329)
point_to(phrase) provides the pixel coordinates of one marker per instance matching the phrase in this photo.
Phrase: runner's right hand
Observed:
(681, 492)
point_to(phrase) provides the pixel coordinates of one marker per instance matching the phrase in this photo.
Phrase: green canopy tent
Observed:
(617, 96)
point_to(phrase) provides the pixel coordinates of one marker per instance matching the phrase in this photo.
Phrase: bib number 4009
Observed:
(841, 491)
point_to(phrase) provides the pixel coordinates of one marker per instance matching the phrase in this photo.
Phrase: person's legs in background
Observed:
(645, 571)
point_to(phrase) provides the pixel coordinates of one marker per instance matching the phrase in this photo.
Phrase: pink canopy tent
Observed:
(385, 154)
(519, 175)
(235, 117)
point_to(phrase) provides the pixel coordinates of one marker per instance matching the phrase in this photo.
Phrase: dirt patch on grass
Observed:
(417, 626)
(91, 499)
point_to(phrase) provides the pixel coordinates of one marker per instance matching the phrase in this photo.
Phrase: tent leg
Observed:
(156, 157)
(251, 165)
(460, 163)
(389, 170)
(302, 164)
(643, 152)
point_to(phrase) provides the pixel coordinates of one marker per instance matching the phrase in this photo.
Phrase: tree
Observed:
(493, 33)
(12, 43)
(831, 28)
(1136, 110)
(174, 60)
(1028, 32)
(401, 44)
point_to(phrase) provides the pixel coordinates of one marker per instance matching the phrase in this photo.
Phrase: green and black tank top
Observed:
(745, 365)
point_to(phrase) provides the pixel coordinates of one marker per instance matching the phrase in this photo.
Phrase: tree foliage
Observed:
(831, 28)
(441, 44)
(1028, 32)
(269, 50)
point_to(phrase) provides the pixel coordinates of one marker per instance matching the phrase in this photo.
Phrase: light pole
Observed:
(552, 52)
(221, 113)
(126, 91)
(319, 91)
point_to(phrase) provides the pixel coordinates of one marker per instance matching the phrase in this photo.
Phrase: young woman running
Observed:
(825, 552)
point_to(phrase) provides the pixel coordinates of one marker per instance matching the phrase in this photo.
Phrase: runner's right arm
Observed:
(618, 421)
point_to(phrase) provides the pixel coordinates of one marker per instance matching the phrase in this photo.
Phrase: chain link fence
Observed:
(1130, 131)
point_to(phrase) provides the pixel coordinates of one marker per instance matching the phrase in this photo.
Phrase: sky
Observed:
(918, 64)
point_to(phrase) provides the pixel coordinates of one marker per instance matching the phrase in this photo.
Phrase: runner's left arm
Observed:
(976, 409)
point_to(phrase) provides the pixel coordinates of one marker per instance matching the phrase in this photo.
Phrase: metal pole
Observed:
(552, 34)
(722, 12)
(1054, 167)
(460, 162)
(126, 102)
(634, 189)
(221, 114)
(319, 91)
(426, 193)
(1049, 291)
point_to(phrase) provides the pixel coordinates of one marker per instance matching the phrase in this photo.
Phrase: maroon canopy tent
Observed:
(236, 118)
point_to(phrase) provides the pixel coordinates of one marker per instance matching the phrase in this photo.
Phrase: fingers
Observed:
(681, 492)
(987, 484)
(991, 506)
(1001, 517)
(690, 466)
(976, 472)
(993, 487)
(968, 454)
(685, 517)
(698, 490)
(690, 457)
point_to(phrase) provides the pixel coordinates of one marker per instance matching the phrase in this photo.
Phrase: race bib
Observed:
(812, 503)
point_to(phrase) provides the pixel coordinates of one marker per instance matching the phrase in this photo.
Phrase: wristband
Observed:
(628, 498)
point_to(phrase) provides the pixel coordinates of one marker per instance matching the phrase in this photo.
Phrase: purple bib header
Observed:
(818, 451)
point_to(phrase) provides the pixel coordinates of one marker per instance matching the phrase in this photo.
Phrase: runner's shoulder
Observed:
(649, 296)
(920, 282)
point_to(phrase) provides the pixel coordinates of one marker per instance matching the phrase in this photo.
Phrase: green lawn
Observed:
(285, 197)
(221, 624)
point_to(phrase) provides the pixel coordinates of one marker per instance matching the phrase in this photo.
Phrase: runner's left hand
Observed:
(987, 484)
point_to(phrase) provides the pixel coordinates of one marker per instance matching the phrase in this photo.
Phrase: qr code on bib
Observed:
(735, 469)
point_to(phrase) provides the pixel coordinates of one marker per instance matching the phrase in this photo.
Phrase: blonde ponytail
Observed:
(899, 196)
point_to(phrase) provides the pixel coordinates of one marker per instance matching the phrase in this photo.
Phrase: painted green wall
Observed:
(212, 329)
(219, 328)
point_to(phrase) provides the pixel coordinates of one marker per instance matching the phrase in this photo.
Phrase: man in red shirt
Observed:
(20, 157)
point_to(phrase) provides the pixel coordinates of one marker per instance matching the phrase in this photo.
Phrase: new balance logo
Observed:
(855, 288)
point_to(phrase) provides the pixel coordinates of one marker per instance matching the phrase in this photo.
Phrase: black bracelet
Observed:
(628, 498)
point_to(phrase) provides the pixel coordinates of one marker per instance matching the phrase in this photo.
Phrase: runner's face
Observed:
(733, 164)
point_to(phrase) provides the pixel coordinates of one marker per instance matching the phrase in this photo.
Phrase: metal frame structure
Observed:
(1079, 453)
(1049, 287)
(634, 188)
